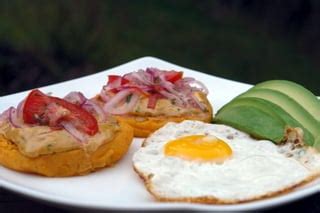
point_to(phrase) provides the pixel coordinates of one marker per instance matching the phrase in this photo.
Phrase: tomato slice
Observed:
(173, 76)
(35, 112)
(152, 101)
(116, 80)
(113, 78)
(35, 107)
(79, 117)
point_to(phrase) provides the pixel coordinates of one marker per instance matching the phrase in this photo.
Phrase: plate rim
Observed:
(267, 203)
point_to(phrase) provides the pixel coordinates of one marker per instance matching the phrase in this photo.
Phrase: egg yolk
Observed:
(198, 147)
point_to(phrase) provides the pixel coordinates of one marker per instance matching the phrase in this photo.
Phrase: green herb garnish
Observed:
(173, 101)
(128, 99)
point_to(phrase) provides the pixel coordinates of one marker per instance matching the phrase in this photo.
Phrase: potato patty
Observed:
(68, 163)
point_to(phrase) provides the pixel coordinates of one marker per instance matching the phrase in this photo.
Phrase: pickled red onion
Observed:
(82, 137)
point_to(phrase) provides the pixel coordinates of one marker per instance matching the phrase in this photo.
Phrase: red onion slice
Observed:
(20, 109)
(13, 118)
(90, 105)
(154, 81)
(139, 78)
(173, 98)
(126, 107)
(194, 84)
(103, 95)
(78, 135)
(154, 73)
(76, 98)
(170, 87)
(197, 102)
(115, 100)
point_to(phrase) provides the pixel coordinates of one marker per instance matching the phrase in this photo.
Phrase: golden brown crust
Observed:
(144, 126)
(69, 163)
(214, 200)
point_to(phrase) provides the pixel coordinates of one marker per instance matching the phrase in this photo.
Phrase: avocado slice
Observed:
(317, 143)
(297, 92)
(274, 112)
(253, 120)
(289, 105)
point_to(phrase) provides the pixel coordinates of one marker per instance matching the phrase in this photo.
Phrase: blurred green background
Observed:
(44, 42)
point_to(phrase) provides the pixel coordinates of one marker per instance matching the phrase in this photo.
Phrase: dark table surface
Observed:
(12, 202)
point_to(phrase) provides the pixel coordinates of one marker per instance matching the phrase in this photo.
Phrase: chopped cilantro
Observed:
(128, 98)
(138, 109)
(49, 147)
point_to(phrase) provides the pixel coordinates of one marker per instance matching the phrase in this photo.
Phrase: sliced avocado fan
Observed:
(266, 110)
(297, 92)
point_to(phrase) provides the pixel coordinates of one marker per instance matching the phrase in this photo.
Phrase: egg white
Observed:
(256, 169)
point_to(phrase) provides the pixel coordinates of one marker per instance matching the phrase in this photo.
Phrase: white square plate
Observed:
(119, 188)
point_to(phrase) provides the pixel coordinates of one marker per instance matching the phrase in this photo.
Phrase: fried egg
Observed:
(194, 161)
